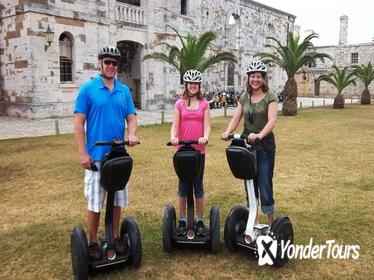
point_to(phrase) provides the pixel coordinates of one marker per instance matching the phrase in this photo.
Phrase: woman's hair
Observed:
(264, 87)
(199, 94)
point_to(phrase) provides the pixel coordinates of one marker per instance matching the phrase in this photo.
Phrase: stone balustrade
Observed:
(130, 14)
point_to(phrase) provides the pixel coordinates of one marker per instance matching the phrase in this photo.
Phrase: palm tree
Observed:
(291, 57)
(192, 53)
(340, 79)
(366, 74)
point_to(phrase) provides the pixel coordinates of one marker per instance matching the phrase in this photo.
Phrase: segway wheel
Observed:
(235, 225)
(282, 229)
(79, 253)
(214, 229)
(131, 233)
(168, 227)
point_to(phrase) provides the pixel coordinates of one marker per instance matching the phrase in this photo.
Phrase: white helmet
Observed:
(109, 51)
(193, 76)
(256, 66)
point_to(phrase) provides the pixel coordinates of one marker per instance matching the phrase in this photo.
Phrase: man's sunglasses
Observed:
(113, 62)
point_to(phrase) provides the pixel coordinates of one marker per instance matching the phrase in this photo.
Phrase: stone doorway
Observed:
(317, 83)
(129, 70)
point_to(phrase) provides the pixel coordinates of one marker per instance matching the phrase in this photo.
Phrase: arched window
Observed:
(66, 58)
(230, 74)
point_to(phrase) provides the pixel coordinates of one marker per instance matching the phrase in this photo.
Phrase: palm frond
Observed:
(340, 78)
(294, 55)
(192, 54)
(179, 36)
(365, 73)
(223, 56)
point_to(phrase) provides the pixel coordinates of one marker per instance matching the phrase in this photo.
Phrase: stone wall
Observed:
(341, 55)
(308, 77)
(30, 74)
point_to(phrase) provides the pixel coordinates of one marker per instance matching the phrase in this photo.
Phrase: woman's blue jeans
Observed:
(264, 180)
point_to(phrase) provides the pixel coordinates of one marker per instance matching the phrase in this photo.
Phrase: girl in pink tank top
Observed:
(191, 121)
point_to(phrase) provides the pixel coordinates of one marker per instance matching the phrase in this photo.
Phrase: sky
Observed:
(322, 16)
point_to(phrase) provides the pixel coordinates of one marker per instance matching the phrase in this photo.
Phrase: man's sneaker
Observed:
(94, 251)
(200, 228)
(182, 228)
(120, 246)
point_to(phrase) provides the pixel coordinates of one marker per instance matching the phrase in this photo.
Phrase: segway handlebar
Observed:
(237, 136)
(113, 143)
(241, 136)
(185, 142)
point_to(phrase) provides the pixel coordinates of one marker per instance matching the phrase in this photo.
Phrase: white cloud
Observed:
(322, 16)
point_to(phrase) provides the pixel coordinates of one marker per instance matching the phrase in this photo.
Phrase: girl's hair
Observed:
(264, 87)
(199, 94)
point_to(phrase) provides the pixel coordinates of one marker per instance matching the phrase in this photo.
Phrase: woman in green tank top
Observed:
(258, 106)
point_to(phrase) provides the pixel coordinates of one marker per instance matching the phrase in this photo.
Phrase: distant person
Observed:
(102, 106)
(258, 107)
(191, 121)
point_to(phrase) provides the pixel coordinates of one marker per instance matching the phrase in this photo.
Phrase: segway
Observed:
(115, 172)
(241, 220)
(186, 165)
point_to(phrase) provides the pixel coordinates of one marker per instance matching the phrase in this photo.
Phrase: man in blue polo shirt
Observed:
(103, 104)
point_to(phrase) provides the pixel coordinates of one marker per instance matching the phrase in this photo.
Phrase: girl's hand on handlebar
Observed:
(253, 137)
(225, 136)
(174, 141)
(203, 141)
(133, 140)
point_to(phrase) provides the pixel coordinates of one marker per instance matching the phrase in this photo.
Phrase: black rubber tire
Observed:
(130, 232)
(168, 227)
(235, 225)
(282, 229)
(79, 253)
(214, 229)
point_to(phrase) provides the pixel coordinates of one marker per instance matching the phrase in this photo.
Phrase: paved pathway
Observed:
(17, 128)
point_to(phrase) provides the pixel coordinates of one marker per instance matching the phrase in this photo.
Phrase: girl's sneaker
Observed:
(200, 228)
(182, 228)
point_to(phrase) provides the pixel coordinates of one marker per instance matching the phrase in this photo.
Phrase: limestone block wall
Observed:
(30, 75)
(341, 57)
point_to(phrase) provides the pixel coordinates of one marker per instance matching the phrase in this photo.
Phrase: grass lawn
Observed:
(323, 180)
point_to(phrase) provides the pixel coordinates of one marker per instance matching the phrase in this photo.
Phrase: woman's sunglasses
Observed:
(108, 62)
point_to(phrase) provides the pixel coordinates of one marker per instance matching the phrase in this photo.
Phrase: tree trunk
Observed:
(339, 101)
(365, 97)
(290, 94)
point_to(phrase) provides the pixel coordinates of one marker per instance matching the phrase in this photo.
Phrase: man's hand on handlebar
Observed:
(133, 140)
(85, 161)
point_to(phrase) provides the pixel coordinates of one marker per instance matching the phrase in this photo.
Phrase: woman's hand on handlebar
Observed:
(174, 141)
(225, 136)
(203, 141)
(133, 140)
(253, 137)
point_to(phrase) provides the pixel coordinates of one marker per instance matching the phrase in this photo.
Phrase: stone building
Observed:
(343, 54)
(40, 79)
